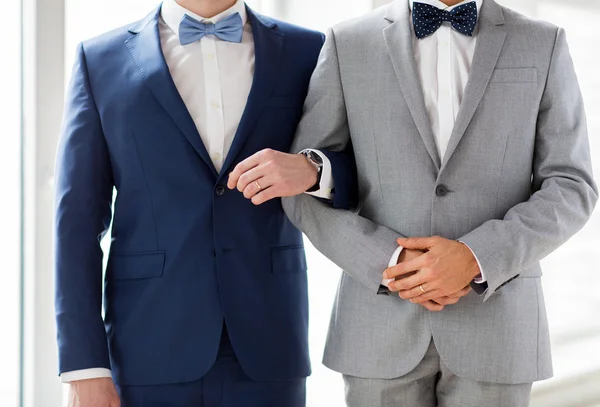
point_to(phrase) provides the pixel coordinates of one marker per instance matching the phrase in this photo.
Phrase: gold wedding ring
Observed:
(422, 289)
(258, 185)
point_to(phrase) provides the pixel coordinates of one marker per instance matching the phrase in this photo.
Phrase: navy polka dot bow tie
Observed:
(427, 18)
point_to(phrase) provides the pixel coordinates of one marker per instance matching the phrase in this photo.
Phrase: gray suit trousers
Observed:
(432, 384)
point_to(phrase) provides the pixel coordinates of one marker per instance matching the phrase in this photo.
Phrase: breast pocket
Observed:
(136, 266)
(288, 259)
(514, 75)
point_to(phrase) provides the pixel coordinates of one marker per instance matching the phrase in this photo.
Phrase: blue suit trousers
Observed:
(225, 385)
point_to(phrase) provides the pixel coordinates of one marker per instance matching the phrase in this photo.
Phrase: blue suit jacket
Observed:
(187, 253)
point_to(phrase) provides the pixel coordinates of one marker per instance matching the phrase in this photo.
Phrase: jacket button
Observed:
(441, 190)
(220, 191)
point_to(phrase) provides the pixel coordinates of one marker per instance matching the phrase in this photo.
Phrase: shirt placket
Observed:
(214, 101)
(445, 87)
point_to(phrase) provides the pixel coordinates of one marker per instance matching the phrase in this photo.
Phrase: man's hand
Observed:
(272, 174)
(99, 392)
(407, 255)
(445, 270)
(436, 304)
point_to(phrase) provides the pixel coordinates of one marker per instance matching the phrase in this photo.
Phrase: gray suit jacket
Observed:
(517, 174)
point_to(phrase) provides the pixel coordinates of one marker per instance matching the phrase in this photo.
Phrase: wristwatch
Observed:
(317, 162)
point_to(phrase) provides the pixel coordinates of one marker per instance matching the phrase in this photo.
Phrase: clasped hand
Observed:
(434, 272)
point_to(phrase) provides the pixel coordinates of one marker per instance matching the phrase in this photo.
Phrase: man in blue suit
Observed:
(205, 293)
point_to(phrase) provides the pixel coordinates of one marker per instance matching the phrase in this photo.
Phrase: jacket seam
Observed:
(135, 143)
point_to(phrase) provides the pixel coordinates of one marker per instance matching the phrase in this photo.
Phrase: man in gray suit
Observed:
(468, 128)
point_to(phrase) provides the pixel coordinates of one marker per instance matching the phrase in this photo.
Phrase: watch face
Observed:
(315, 157)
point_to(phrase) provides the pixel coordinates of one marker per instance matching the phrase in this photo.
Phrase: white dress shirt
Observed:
(444, 63)
(212, 76)
(214, 79)
(217, 101)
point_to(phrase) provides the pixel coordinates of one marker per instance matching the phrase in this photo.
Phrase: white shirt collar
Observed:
(172, 14)
(439, 4)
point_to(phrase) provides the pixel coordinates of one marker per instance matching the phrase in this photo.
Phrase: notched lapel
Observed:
(398, 38)
(490, 41)
(268, 49)
(145, 49)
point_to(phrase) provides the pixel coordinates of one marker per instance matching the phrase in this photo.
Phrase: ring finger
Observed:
(414, 292)
(429, 295)
(249, 177)
(257, 186)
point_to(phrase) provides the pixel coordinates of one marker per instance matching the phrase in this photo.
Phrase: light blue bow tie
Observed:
(229, 29)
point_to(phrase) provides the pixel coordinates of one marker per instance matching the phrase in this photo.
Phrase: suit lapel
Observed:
(487, 51)
(398, 38)
(145, 49)
(268, 45)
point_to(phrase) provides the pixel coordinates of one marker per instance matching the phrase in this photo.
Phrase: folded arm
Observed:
(339, 178)
(359, 246)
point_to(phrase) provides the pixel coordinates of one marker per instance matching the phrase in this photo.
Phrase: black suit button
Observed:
(441, 190)
(220, 191)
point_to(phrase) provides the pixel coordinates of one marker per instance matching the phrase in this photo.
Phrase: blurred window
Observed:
(10, 238)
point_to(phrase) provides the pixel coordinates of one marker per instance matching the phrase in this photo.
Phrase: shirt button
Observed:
(216, 156)
(220, 190)
(441, 190)
(214, 105)
(210, 57)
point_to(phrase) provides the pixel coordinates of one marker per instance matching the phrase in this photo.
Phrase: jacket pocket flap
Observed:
(514, 75)
(288, 259)
(136, 266)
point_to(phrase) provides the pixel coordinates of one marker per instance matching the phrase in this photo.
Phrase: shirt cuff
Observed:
(393, 261)
(481, 278)
(326, 184)
(85, 374)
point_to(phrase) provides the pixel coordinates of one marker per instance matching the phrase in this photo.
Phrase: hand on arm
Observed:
(271, 174)
(443, 268)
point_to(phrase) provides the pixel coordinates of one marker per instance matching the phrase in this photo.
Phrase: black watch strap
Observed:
(317, 186)
(317, 162)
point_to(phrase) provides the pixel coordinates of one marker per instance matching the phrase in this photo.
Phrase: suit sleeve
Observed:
(84, 188)
(339, 179)
(343, 173)
(565, 192)
(357, 245)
